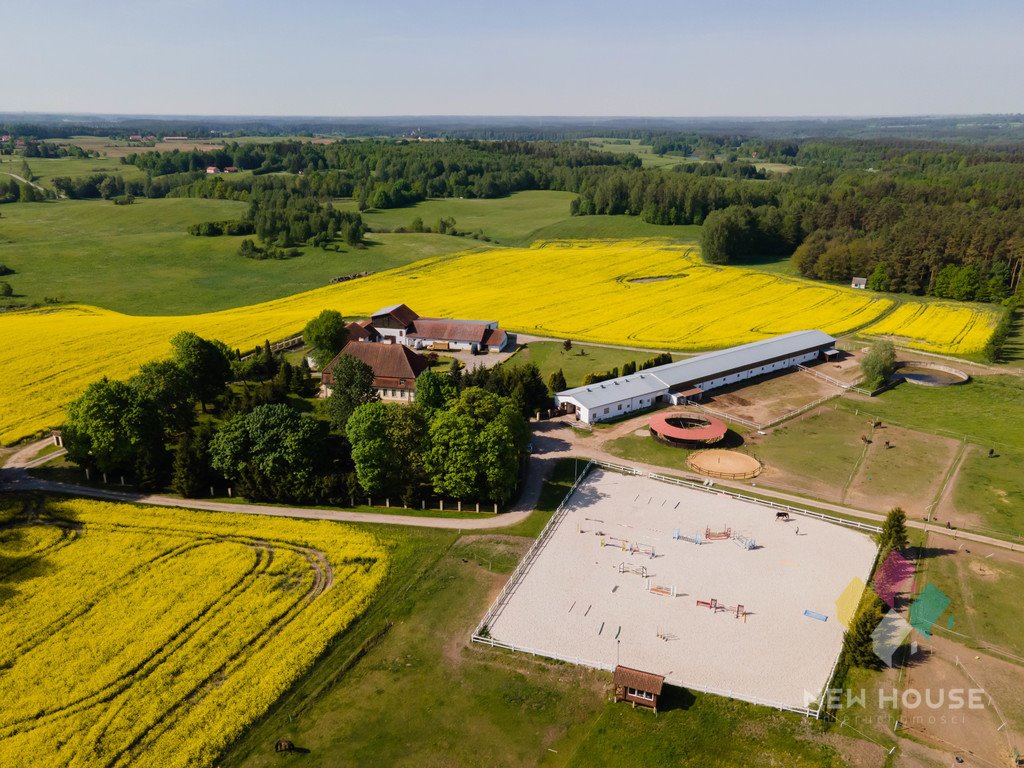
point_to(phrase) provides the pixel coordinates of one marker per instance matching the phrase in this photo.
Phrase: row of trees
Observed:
(385, 173)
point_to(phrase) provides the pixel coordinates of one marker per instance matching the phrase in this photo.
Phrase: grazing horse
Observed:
(284, 745)
(782, 516)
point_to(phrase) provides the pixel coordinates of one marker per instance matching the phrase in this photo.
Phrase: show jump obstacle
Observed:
(737, 610)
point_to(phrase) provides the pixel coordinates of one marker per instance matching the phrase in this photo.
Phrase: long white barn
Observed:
(688, 379)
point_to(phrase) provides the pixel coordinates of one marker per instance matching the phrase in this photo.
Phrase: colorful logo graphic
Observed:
(894, 577)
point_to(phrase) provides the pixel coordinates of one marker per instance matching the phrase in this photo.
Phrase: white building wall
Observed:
(617, 408)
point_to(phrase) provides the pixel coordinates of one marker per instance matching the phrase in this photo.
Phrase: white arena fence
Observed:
(814, 711)
(855, 524)
(524, 565)
(542, 540)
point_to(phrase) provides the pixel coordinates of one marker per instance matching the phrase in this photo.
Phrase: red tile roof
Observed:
(448, 330)
(401, 313)
(362, 331)
(390, 363)
(641, 681)
(495, 337)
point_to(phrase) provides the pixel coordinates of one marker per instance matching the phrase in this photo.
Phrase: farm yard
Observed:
(142, 636)
(601, 300)
(588, 597)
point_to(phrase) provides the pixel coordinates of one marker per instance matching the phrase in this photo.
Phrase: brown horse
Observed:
(784, 516)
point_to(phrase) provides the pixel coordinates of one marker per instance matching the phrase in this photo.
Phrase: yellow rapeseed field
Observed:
(642, 293)
(946, 327)
(152, 637)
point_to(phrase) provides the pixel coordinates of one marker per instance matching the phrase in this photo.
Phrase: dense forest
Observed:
(910, 215)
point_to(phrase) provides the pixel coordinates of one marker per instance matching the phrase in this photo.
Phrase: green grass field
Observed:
(549, 356)
(992, 488)
(521, 218)
(404, 687)
(981, 590)
(140, 259)
(45, 169)
(816, 454)
(988, 409)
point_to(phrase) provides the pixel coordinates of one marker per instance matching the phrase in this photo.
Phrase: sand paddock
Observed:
(574, 603)
(718, 462)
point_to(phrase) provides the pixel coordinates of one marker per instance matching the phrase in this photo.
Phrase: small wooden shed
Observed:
(637, 687)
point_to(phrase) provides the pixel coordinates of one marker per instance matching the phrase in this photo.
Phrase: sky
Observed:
(518, 57)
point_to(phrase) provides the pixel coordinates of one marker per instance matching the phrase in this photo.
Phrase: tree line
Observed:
(463, 438)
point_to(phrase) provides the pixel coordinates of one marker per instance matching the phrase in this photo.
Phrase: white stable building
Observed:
(688, 379)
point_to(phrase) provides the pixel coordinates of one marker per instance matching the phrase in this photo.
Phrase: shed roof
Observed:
(638, 680)
(694, 370)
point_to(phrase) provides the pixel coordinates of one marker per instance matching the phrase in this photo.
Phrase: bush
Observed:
(5, 290)
(879, 364)
(994, 348)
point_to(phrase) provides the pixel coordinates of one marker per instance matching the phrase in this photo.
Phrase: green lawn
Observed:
(550, 356)
(817, 454)
(645, 449)
(982, 591)
(993, 488)
(522, 218)
(404, 687)
(140, 259)
(45, 169)
(700, 732)
(988, 409)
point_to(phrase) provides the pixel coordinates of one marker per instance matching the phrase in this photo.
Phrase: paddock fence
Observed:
(482, 633)
(855, 524)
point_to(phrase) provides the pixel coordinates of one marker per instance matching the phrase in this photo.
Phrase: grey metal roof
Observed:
(694, 370)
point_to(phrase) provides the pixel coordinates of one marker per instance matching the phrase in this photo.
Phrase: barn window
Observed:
(640, 694)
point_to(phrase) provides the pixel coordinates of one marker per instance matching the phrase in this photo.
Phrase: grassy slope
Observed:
(45, 169)
(139, 259)
(549, 356)
(522, 218)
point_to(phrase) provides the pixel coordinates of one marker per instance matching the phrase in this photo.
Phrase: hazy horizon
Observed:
(597, 59)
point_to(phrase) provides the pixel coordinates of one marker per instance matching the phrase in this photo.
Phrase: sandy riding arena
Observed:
(621, 578)
(717, 462)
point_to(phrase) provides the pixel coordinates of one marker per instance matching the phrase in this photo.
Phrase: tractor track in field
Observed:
(66, 619)
(67, 537)
(108, 691)
(323, 579)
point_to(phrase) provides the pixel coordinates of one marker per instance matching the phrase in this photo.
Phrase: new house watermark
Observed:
(913, 706)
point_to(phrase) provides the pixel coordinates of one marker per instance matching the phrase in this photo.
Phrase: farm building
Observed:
(859, 282)
(688, 379)
(395, 368)
(400, 325)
